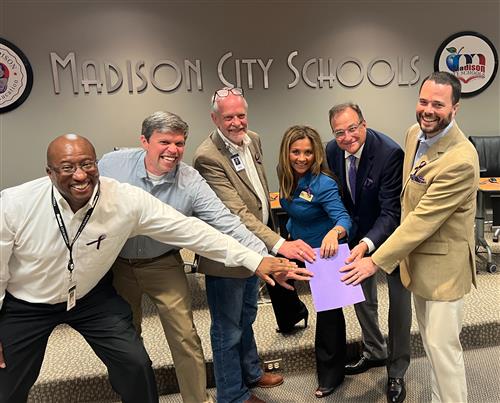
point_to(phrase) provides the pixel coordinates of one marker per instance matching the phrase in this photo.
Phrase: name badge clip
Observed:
(237, 163)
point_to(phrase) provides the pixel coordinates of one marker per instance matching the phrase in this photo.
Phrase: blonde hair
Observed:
(286, 176)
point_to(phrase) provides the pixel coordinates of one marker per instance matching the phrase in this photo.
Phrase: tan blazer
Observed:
(435, 241)
(213, 160)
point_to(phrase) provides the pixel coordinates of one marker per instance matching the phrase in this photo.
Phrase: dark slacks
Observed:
(102, 317)
(330, 339)
(287, 306)
(330, 347)
(397, 348)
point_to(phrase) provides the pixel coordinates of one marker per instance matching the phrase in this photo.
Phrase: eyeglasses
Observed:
(69, 169)
(226, 91)
(351, 130)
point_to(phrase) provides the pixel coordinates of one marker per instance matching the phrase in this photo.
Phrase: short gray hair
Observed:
(163, 122)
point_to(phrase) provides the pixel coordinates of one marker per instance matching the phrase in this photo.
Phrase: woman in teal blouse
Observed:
(310, 196)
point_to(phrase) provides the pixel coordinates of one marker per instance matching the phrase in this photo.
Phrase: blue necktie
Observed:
(352, 176)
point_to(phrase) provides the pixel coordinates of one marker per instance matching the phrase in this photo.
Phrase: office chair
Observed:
(495, 202)
(488, 150)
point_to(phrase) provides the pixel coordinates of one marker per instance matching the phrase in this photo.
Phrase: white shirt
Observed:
(34, 257)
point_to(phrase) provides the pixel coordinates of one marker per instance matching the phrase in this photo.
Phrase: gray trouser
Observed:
(397, 351)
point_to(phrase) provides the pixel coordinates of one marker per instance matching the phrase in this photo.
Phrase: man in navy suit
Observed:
(369, 167)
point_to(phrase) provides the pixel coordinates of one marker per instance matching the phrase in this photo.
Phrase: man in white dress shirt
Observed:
(59, 235)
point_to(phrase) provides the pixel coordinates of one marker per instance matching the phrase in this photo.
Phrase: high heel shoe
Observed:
(294, 328)
(324, 392)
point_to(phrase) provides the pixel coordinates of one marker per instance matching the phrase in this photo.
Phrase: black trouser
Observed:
(287, 306)
(102, 317)
(330, 347)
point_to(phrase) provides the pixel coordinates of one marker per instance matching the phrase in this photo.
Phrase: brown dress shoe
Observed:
(268, 380)
(254, 399)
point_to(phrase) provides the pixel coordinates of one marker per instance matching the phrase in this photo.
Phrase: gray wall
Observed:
(116, 31)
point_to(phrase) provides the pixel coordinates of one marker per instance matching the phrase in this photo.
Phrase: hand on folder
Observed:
(358, 271)
(329, 245)
(358, 252)
(328, 291)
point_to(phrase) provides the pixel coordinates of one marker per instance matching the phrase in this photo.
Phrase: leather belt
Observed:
(147, 259)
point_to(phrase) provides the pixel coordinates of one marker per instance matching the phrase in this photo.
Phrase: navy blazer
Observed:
(377, 210)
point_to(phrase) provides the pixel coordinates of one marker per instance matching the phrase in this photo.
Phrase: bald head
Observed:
(71, 166)
(66, 143)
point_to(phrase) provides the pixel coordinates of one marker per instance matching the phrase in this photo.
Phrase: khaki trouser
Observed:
(163, 279)
(440, 323)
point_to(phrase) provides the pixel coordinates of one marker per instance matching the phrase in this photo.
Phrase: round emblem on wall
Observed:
(16, 76)
(471, 57)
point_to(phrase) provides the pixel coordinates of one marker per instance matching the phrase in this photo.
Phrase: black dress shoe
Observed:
(362, 365)
(396, 391)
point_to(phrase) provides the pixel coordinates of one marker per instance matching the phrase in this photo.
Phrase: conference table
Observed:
(487, 186)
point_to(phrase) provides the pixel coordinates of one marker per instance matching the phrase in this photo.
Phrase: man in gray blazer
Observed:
(230, 160)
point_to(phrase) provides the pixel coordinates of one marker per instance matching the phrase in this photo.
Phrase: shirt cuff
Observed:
(371, 245)
(277, 247)
(251, 260)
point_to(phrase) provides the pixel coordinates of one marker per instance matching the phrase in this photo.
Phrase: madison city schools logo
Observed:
(16, 76)
(471, 57)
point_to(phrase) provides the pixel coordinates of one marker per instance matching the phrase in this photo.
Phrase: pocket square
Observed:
(417, 178)
(368, 183)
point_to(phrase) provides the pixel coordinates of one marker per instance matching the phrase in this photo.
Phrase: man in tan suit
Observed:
(435, 242)
(230, 159)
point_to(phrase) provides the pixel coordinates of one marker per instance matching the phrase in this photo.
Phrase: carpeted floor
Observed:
(72, 373)
(482, 366)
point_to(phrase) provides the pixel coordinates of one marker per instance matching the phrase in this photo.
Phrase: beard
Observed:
(436, 126)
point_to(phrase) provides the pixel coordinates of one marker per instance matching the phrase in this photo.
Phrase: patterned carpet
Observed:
(72, 373)
(481, 365)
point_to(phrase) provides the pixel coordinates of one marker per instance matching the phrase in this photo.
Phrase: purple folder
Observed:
(328, 291)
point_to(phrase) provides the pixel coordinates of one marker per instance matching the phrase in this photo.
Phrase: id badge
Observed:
(238, 164)
(306, 196)
(71, 301)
